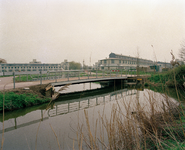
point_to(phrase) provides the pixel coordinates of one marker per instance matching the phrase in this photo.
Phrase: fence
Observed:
(65, 74)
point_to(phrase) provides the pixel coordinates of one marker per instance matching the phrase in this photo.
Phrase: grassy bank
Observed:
(20, 97)
(170, 78)
(16, 101)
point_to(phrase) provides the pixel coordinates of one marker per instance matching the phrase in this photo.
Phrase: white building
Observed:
(116, 61)
(33, 66)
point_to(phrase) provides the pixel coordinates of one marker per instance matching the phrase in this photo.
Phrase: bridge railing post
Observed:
(96, 73)
(121, 72)
(40, 77)
(78, 75)
(55, 76)
(68, 75)
(14, 80)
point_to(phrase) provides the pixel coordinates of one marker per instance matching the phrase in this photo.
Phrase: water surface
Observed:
(36, 127)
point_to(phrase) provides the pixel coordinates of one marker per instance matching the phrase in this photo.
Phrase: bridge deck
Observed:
(87, 80)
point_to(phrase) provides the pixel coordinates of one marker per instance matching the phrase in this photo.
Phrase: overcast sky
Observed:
(53, 30)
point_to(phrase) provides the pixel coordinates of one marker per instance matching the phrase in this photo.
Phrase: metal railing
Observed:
(66, 75)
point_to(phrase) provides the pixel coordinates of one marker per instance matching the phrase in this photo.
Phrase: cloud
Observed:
(52, 31)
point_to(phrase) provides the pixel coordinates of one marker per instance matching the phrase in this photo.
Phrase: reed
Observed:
(158, 127)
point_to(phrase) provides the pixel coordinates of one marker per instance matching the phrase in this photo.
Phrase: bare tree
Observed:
(182, 51)
(2, 60)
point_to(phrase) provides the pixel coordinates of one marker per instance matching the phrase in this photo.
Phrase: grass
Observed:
(167, 78)
(14, 101)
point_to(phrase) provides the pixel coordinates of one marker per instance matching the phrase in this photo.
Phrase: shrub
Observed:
(15, 101)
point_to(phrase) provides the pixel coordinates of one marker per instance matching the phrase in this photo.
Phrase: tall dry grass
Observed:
(135, 128)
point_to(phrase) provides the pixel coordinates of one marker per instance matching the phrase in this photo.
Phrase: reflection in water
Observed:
(79, 87)
(64, 116)
(83, 103)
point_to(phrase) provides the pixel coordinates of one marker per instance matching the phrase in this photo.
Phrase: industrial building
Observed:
(32, 66)
(116, 61)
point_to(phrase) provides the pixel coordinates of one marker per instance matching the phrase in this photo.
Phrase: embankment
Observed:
(22, 97)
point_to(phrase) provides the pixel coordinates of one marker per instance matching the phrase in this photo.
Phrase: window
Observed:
(105, 61)
(112, 61)
(120, 61)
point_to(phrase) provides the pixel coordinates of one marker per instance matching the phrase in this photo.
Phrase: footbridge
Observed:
(63, 77)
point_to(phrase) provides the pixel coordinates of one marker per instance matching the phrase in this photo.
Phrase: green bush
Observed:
(14, 101)
(167, 78)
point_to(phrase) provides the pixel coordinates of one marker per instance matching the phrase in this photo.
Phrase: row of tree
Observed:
(76, 66)
(2, 60)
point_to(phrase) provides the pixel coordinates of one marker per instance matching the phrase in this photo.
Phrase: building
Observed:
(163, 66)
(32, 66)
(116, 61)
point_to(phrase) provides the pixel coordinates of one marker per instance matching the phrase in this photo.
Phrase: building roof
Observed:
(129, 56)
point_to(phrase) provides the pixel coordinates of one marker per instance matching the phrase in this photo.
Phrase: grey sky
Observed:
(53, 30)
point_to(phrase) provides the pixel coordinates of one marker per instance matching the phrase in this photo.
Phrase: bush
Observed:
(168, 77)
(14, 101)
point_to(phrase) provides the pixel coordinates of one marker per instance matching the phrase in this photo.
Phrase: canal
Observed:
(57, 124)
